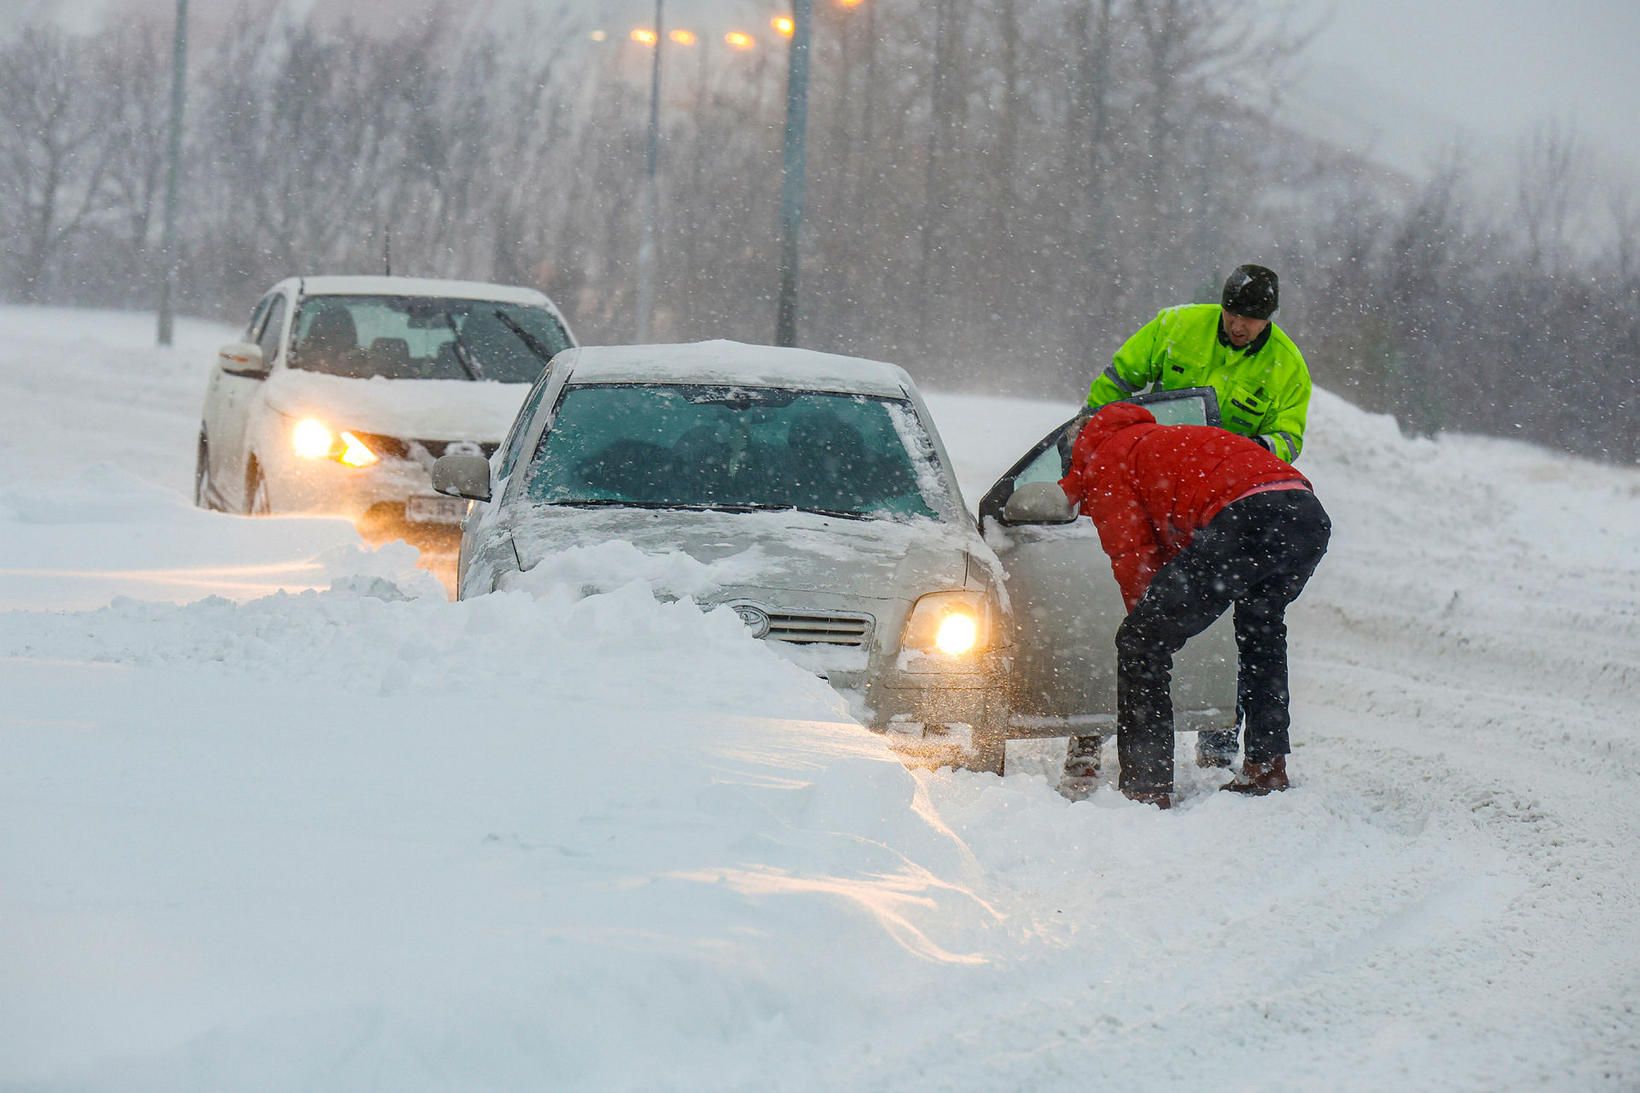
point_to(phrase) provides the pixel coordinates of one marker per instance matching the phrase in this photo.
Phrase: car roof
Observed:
(725, 362)
(420, 286)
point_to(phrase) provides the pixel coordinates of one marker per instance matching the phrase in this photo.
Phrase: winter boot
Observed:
(1160, 798)
(1081, 774)
(1217, 747)
(1257, 779)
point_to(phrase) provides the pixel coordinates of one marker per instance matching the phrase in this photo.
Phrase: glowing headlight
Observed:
(952, 623)
(312, 439)
(959, 632)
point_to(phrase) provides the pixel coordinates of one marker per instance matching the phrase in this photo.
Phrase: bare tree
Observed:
(54, 151)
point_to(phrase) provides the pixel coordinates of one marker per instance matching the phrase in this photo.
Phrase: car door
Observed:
(1066, 605)
(238, 396)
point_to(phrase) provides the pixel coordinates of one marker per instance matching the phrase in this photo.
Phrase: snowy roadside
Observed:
(359, 836)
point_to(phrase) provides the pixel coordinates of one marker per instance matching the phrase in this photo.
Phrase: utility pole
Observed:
(173, 158)
(792, 169)
(651, 196)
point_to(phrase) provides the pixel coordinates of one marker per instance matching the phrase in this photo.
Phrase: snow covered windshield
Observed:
(717, 447)
(424, 338)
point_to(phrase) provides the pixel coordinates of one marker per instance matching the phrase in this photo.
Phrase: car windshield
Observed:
(735, 448)
(424, 338)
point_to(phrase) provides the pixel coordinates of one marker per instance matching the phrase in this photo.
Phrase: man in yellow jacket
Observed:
(1263, 387)
(1261, 379)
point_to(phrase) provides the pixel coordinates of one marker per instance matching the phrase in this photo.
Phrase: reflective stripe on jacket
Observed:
(1264, 390)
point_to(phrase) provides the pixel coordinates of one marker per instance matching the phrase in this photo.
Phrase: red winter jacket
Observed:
(1149, 488)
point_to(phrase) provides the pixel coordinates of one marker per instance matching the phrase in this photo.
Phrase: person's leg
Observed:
(1294, 538)
(1182, 601)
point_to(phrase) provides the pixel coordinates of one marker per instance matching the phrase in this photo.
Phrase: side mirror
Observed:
(242, 359)
(1038, 503)
(461, 475)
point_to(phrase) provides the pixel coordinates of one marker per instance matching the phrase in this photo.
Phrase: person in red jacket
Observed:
(1195, 519)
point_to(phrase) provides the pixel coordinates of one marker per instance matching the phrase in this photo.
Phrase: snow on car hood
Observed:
(422, 409)
(704, 554)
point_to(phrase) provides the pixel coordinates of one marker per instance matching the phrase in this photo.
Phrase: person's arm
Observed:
(1134, 367)
(1126, 534)
(1284, 427)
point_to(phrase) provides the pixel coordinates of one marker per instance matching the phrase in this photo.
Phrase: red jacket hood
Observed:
(1112, 419)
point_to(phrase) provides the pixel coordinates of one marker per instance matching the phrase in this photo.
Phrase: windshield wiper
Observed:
(463, 356)
(531, 342)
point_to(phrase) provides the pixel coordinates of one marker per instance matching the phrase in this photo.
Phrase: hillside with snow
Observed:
(275, 814)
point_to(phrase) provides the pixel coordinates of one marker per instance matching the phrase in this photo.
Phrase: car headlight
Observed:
(313, 439)
(949, 623)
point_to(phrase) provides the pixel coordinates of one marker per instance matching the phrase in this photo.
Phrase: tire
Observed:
(202, 476)
(256, 492)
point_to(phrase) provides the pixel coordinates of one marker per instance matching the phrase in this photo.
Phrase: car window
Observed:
(521, 424)
(271, 330)
(253, 329)
(1050, 457)
(720, 447)
(403, 337)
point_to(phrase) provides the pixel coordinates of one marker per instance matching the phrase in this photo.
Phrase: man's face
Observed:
(1241, 330)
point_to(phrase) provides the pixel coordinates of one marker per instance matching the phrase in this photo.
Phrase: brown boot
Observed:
(1257, 779)
(1159, 798)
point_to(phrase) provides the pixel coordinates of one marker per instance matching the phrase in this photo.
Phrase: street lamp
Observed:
(651, 196)
(793, 165)
(173, 165)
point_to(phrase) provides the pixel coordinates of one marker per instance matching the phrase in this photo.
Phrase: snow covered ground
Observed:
(275, 815)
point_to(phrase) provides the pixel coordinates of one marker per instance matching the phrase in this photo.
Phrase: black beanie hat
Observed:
(1251, 291)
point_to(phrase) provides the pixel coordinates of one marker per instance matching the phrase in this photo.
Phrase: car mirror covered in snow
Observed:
(242, 359)
(463, 475)
(1038, 503)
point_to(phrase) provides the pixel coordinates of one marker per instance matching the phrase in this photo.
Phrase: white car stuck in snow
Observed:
(812, 495)
(346, 389)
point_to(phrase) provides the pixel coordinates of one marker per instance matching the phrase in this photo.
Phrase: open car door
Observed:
(1066, 604)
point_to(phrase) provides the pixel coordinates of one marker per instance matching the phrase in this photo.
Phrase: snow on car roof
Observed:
(420, 286)
(737, 363)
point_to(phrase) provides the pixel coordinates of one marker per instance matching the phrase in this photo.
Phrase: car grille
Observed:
(801, 628)
(392, 447)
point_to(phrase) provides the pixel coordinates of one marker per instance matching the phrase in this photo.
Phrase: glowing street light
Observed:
(784, 25)
(644, 36)
(683, 37)
(599, 36)
(740, 40)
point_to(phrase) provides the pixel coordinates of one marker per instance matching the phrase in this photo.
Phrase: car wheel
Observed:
(202, 476)
(256, 492)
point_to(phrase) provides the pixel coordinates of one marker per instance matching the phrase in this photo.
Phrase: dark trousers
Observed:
(1257, 554)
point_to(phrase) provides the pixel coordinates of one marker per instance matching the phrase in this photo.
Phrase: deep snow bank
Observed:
(363, 816)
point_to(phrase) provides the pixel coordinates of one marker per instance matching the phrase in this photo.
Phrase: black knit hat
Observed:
(1251, 291)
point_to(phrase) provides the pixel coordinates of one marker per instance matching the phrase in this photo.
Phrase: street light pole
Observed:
(173, 157)
(651, 197)
(793, 169)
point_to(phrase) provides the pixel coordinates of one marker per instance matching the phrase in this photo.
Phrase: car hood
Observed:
(788, 550)
(419, 409)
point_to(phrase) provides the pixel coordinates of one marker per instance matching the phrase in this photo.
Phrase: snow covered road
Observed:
(350, 835)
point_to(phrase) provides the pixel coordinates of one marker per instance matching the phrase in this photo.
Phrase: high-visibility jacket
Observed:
(1150, 488)
(1263, 388)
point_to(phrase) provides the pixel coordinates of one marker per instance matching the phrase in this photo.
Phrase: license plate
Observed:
(435, 510)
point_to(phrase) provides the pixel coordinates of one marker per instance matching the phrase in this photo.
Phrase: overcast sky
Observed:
(1490, 68)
